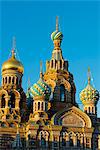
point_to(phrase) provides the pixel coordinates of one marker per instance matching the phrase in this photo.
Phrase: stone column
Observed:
(81, 141)
(84, 141)
(75, 141)
(90, 142)
(17, 100)
(7, 98)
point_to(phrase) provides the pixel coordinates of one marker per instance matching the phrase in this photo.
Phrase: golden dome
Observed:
(13, 63)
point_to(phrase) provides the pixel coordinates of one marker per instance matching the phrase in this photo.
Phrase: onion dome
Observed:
(89, 94)
(57, 35)
(13, 63)
(40, 89)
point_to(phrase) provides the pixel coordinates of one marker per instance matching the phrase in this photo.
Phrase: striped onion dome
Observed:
(56, 35)
(40, 89)
(89, 94)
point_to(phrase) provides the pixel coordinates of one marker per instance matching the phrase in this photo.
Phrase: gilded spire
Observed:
(13, 47)
(57, 25)
(41, 70)
(89, 75)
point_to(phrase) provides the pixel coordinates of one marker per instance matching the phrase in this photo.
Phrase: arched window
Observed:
(11, 102)
(38, 105)
(3, 101)
(43, 141)
(62, 93)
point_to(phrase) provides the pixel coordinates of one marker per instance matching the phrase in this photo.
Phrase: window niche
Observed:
(62, 93)
(11, 102)
(3, 102)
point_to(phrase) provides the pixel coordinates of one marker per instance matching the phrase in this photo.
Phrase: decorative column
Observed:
(81, 141)
(75, 141)
(7, 98)
(17, 100)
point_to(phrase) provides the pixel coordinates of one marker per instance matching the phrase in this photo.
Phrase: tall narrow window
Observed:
(71, 142)
(62, 93)
(89, 109)
(60, 63)
(17, 80)
(13, 80)
(11, 102)
(43, 142)
(6, 80)
(42, 106)
(38, 105)
(9, 79)
(51, 63)
(3, 101)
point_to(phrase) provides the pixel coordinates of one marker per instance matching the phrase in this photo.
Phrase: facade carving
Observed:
(47, 117)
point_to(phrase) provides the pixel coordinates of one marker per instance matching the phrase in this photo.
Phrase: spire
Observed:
(57, 26)
(41, 70)
(13, 46)
(28, 84)
(89, 75)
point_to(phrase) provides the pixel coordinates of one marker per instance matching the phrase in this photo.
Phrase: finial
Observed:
(89, 75)
(41, 74)
(57, 23)
(13, 46)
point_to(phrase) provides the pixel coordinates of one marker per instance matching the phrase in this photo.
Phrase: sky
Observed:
(32, 23)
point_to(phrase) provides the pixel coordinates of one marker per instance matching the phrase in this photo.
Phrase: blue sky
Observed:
(33, 22)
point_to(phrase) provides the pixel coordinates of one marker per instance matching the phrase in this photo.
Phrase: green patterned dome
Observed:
(56, 35)
(89, 94)
(40, 89)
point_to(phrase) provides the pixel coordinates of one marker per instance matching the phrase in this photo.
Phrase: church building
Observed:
(47, 116)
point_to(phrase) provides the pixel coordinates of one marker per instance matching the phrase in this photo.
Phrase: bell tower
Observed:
(89, 97)
(12, 96)
(57, 75)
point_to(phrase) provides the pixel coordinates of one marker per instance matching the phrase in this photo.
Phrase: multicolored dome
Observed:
(89, 94)
(40, 89)
(56, 35)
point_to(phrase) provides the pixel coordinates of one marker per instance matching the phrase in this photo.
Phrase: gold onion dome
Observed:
(89, 94)
(13, 63)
